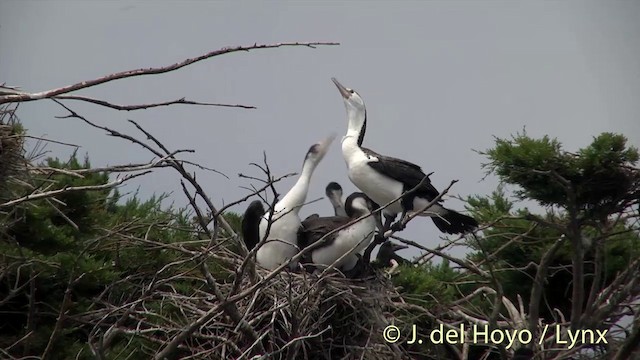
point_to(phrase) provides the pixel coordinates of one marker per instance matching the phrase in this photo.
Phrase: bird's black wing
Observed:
(311, 217)
(403, 171)
(314, 228)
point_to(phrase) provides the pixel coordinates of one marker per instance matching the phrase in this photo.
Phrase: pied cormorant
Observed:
(385, 178)
(282, 240)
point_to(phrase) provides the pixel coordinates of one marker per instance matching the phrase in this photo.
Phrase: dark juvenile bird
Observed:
(384, 178)
(387, 254)
(350, 241)
(251, 223)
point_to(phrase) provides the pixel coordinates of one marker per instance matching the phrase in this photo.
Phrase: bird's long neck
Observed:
(297, 195)
(357, 124)
(338, 205)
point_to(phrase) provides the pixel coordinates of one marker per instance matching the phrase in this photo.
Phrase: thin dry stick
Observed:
(539, 282)
(22, 96)
(461, 262)
(182, 101)
(52, 193)
(62, 315)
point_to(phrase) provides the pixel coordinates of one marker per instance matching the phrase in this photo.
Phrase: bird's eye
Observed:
(351, 91)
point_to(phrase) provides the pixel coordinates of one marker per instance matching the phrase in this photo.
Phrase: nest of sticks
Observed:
(314, 316)
(301, 315)
(222, 314)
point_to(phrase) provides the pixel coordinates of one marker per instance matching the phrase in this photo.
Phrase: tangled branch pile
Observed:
(290, 315)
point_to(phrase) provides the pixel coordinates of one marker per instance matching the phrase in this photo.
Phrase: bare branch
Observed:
(182, 101)
(22, 97)
(52, 193)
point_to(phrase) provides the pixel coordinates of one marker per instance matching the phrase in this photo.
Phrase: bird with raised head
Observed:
(282, 239)
(384, 178)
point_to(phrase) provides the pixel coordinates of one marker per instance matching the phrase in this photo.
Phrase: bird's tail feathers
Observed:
(453, 222)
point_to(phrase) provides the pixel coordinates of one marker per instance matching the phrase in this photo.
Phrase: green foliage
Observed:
(428, 284)
(598, 175)
(235, 221)
(513, 160)
(488, 208)
(590, 187)
(507, 224)
(49, 243)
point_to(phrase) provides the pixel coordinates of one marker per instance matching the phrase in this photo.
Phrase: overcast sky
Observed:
(439, 78)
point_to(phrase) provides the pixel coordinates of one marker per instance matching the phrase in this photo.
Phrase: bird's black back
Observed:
(314, 228)
(403, 171)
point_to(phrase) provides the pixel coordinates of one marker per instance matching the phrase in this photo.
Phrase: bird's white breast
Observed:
(284, 240)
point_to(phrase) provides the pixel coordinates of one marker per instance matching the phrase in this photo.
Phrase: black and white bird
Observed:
(387, 256)
(344, 243)
(251, 224)
(334, 194)
(385, 178)
(282, 240)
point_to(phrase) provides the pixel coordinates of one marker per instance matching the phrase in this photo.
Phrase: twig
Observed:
(22, 97)
(66, 189)
(61, 316)
(182, 101)
(245, 198)
(461, 262)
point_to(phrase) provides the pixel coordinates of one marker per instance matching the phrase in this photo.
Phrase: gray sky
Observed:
(439, 79)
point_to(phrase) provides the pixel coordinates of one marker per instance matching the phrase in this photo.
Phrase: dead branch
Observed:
(61, 315)
(181, 101)
(23, 96)
(52, 193)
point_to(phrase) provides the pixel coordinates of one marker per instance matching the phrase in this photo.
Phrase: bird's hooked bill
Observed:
(343, 90)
